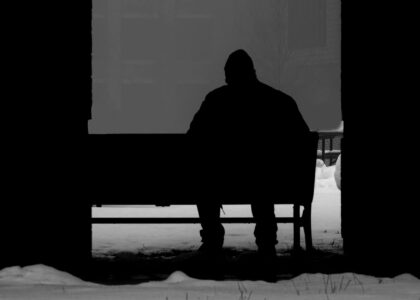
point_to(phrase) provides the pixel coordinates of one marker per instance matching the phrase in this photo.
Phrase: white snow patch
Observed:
(319, 163)
(18, 283)
(37, 274)
(324, 178)
(178, 277)
(324, 172)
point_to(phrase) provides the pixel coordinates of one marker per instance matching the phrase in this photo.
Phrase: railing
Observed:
(329, 154)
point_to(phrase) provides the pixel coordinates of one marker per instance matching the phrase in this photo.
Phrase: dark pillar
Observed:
(379, 188)
(45, 214)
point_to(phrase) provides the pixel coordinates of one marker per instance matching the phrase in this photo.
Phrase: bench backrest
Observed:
(174, 169)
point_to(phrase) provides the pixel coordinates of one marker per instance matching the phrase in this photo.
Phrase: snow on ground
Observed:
(41, 282)
(147, 238)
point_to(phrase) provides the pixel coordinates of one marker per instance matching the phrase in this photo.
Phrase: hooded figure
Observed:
(241, 125)
(245, 106)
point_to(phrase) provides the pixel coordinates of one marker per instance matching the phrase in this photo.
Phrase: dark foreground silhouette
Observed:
(246, 125)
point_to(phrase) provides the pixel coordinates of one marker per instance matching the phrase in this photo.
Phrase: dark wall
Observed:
(47, 100)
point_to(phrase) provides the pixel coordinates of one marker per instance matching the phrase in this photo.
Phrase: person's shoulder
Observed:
(216, 96)
(276, 94)
(220, 91)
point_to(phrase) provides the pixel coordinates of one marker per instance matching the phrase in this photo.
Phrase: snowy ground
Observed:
(113, 238)
(41, 282)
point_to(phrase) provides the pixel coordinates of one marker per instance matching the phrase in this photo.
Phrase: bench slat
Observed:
(177, 220)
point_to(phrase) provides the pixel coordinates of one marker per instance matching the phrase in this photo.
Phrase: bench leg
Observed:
(307, 226)
(296, 227)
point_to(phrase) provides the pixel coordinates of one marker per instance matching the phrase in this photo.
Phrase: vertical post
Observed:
(331, 148)
(296, 227)
(343, 217)
(307, 226)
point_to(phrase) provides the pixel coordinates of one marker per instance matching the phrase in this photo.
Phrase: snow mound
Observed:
(178, 277)
(319, 163)
(324, 177)
(325, 172)
(406, 278)
(38, 274)
(320, 286)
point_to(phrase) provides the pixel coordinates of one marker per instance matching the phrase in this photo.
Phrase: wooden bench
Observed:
(162, 169)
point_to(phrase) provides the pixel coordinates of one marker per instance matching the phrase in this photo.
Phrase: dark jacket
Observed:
(250, 112)
(244, 136)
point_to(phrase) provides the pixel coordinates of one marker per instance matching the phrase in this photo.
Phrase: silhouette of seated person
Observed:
(241, 125)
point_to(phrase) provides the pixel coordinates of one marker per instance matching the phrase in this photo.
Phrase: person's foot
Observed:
(211, 252)
(207, 247)
(208, 262)
(267, 252)
(212, 245)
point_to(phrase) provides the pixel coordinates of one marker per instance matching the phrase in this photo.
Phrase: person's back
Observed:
(247, 111)
(247, 128)
(248, 125)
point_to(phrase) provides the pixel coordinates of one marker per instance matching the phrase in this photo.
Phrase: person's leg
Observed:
(266, 239)
(212, 233)
(265, 228)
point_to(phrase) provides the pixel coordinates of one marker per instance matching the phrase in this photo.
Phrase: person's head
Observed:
(239, 69)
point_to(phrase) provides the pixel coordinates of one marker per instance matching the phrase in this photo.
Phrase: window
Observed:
(155, 60)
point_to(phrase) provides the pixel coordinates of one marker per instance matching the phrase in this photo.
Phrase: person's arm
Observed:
(201, 121)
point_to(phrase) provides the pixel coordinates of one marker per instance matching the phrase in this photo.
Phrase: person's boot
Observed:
(212, 243)
(267, 252)
(210, 260)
